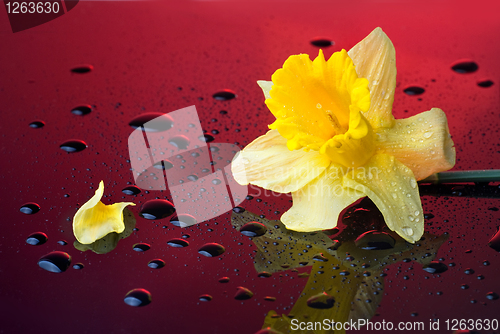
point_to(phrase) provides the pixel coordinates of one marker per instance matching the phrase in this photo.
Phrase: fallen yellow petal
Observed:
(94, 219)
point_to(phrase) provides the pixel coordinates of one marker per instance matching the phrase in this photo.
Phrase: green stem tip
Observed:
(489, 175)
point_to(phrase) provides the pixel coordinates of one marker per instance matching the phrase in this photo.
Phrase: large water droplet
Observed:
(181, 142)
(211, 249)
(494, 242)
(243, 293)
(322, 42)
(137, 297)
(407, 230)
(30, 208)
(37, 124)
(321, 301)
(413, 183)
(36, 239)
(81, 69)
(205, 298)
(414, 90)
(253, 229)
(81, 110)
(162, 122)
(485, 83)
(464, 66)
(183, 220)
(373, 240)
(141, 247)
(156, 264)
(131, 190)
(157, 209)
(435, 267)
(178, 243)
(206, 138)
(56, 262)
(73, 145)
(492, 296)
(224, 95)
(428, 134)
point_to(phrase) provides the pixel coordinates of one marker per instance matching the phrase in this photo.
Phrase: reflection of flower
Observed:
(353, 283)
(94, 219)
(335, 140)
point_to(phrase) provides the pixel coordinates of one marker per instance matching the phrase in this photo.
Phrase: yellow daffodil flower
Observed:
(94, 220)
(335, 140)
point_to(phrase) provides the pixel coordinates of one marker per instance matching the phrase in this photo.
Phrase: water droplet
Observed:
(224, 280)
(407, 230)
(206, 138)
(394, 195)
(216, 181)
(78, 266)
(62, 242)
(36, 239)
(192, 177)
(178, 243)
(224, 95)
(428, 134)
(181, 142)
(485, 83)
(320, 257)
(321, 301)
(141, 247)
(414, 90)
(73, 145)
(374, 240)
(163, 165)
(183, 220)
(318, 106)
(253, 229)
(81, 69)
(243, 293)
(413, 183)
(37, 124)
(211, 249)
(322, 42)
(131, 190)
(492, 296)
(81, 110)
(30, 208)
(205, 298)
(264, 274)
(238, 209)
(162, 122)
(469, 271)
(464, 66)
(56, 262)
(156, 264)
(435, 267)
(157, 209)
(137, 297)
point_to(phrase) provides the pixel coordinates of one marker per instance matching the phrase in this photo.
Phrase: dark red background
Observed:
(162, 56)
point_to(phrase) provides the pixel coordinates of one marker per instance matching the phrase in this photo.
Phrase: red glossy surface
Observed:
(163, 56)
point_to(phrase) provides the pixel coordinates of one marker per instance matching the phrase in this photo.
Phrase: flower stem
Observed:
(489, 175)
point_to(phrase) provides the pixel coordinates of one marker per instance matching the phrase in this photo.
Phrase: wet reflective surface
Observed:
(129, 62)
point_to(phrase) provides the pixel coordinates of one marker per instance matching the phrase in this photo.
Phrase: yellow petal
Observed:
(268, 163)
(94, 219)
(317, 206)
(312, 100)
(375, 60)
(421, 142)
(266, 87)
(393, 188)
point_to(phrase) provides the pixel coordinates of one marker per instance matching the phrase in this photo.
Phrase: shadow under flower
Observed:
(109, 242)
(345, 282)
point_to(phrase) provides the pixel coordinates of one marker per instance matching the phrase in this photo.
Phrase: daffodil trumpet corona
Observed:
(94, 220)
(335, 140)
